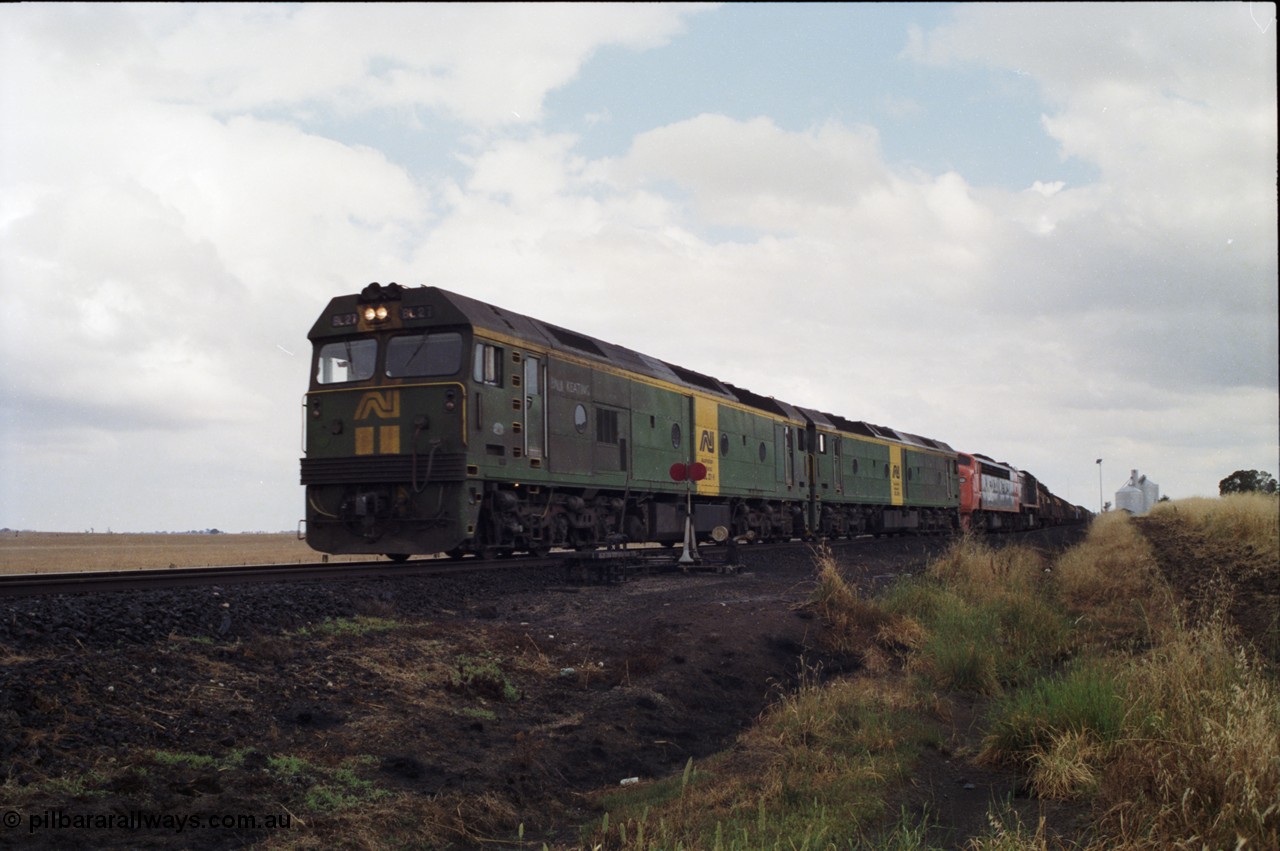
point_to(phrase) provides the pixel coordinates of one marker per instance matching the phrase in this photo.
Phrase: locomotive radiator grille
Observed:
(380, 469)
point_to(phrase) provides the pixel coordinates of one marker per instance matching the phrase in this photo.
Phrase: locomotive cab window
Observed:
(487, 368)
(424, 354)
(347, 360)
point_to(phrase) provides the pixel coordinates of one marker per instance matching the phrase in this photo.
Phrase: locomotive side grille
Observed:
(383, 469)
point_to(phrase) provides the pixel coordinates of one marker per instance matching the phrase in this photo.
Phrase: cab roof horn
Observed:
(377, 292)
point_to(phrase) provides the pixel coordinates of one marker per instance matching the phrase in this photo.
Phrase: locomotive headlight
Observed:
(375, 314)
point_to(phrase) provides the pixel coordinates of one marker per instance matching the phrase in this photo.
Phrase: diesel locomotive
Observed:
(437, 423)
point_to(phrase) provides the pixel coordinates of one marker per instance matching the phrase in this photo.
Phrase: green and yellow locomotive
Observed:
(439, 423)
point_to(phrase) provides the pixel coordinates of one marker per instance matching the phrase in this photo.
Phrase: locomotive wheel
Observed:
(398, 558)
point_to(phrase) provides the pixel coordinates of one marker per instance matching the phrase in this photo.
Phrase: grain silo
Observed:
(1138, 495)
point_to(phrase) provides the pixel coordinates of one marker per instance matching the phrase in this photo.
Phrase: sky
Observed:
(1046, 233)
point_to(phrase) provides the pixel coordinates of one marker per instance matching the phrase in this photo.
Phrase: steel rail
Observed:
(98, 581)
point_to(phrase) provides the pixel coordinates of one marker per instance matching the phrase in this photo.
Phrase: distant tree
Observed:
(1247, 481)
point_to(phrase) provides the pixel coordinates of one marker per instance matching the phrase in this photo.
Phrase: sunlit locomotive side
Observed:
(439, 423)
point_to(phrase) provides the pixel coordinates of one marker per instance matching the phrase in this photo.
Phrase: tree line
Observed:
(1247, 481)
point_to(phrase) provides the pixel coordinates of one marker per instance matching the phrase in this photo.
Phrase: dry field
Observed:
(46, 552)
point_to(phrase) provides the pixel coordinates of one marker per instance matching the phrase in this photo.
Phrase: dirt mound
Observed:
(1212, 574)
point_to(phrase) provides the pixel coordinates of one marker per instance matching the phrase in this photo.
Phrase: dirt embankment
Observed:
(1212, 573)
(462, 707)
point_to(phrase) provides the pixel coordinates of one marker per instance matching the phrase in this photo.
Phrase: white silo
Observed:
(1150, 492)
(1138, 494)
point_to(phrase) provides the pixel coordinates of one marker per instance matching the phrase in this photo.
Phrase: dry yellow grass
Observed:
(49, 552)
(849, 620)
(1252, 518)
(1112, 582)
(1205, 751)
(1067, 768)
(978, 570)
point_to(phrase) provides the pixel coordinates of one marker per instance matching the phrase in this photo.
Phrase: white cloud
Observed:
(489, 64)
(168, 180)
(753, 173)
(1175, 103)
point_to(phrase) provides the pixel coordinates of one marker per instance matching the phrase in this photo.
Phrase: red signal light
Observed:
(695, 472)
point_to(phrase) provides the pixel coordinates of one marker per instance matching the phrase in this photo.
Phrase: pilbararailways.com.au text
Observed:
(138, 820)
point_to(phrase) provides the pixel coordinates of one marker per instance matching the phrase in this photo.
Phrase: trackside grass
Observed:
(1198, 764)
(1250, 518)
(808, 775)
(1099, 691)
(1111, 587)
(986, 623)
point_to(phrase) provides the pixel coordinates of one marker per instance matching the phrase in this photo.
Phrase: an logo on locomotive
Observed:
(707, 443)
(382, 440)
(383, 405)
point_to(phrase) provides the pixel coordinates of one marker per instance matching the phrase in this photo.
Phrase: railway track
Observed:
(598, 565)
(589, 566)
(98, 581)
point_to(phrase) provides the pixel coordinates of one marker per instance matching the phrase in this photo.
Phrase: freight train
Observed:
(437, 423)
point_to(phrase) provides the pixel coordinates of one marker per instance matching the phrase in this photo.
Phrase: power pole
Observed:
(1101, 506)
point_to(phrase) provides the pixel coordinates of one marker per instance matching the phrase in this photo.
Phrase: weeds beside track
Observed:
(1142, 725)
